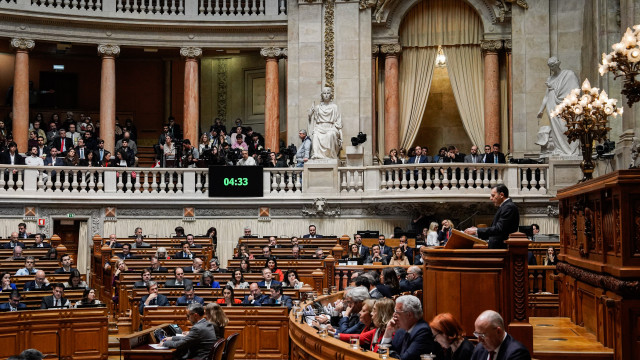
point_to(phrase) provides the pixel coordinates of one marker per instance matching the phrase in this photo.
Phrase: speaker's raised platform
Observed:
(558, 338)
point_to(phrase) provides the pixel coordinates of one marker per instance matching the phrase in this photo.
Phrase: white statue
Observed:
(325, 127)
(559, 85)
(635, 151)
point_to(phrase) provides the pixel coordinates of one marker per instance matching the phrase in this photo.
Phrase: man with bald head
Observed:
(255, 297)
(39, 283)
(17, 254)
(113, 242)
(494, 342)
(13, 242)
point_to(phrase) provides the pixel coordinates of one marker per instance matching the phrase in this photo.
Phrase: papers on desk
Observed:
(158, 347)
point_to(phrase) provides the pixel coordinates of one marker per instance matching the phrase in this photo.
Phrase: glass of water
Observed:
(355, 342)
(383, 351)
(323, 330)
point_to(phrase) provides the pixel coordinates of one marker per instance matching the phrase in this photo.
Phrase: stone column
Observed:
(391, 96)
(109, 52)
(490, 50)
(272, 98)
(375, 50)
(20, 127)
(507, 47)
(191, 95)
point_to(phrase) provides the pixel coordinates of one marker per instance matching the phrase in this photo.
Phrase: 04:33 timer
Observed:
(240, 181)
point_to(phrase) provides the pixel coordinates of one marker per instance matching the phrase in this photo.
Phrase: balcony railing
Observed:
(422, 180)
(223, 10)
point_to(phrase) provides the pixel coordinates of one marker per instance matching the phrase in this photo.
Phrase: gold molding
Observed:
(22, 44)
(329, 43)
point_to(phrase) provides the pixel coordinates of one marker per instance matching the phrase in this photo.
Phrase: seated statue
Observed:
(325, 127)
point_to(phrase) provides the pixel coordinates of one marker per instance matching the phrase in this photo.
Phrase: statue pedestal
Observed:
(355, 155)
(564, 171)
(321, 177)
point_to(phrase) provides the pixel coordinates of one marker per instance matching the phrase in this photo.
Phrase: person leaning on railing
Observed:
(352, 304)
(381, 313)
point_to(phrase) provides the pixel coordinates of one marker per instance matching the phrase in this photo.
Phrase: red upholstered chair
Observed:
(230, 347)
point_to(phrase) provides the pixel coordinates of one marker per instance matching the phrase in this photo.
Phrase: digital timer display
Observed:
(235, 181)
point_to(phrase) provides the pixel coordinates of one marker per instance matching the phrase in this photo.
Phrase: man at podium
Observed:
(504, 222)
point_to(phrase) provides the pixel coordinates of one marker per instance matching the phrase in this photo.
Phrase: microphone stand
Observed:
(58, 341)
(467, 219)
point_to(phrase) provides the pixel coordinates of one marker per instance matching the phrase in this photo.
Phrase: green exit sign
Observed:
(70, 215)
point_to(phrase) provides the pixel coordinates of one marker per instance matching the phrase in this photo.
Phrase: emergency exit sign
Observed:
(70, 215)
(41, 222)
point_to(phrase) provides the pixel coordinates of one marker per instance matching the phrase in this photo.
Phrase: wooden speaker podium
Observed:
(465, 281)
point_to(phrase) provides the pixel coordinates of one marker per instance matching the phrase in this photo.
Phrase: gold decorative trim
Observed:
(190, 52)
(108, 50)
(329, 43)
(491, 45)
(391, 49)
(22, 44)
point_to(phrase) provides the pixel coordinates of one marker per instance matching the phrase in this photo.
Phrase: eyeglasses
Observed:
(435, 334)
(399, 312)
(480, 336)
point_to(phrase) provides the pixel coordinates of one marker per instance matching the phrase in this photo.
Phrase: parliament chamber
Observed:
(128, 131)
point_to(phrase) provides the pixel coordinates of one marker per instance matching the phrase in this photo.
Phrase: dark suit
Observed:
(197, 344)
(123, 257)
(342, 323)
(63, 271)
(161, 300)
(490, 158)
(273, 283)
(48, 302)
(183, 255)
(370, 260)
(31, 286)
(308, 236)
(7, 307)
(161, 269)
(172, 283)
(256, 302)
(44, 245)
(510, 349)
(57, 143)
(182, 300)
(364, 251)
(8, 245)
(411, 345)
(412, 285)
(49, 161)
(386, 251)
(5, 159)
(284, 301)
(139, 284)
(423, 159)
(504, 223)
(409, 254)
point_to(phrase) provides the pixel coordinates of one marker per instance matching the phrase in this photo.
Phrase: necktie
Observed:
(57, 302)
(492, 355)
(61, 144)
(495, 158)
(474, 159)
(81, 153)
(101, 154)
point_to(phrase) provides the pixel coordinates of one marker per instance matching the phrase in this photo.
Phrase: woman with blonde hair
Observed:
(214, 314)
(381, 314)
(449, 334)
(432, 235)
(446, 232)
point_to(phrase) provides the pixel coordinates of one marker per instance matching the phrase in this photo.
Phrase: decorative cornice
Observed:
(522, 3)
(22, 44)
(271, 52)
(607, 282)
(190, 52)
(108, 50)
(391, 49)
(375, 49)
(329, 43)
(491, 45)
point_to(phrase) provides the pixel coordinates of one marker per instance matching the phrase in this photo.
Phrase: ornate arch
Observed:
(394, 12)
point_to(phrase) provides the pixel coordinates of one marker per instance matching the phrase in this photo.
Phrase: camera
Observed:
(605, 150)
(289, 153)
(359, 139)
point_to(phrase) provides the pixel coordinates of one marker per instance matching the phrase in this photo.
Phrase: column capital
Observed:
(22, 44)
(375, 49)
(273, 52)
(507, 45)
(190, 52)
(391, 49)
(491, 45)
(108, 50)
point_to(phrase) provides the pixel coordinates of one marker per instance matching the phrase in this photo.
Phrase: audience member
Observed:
(207, 280)
(6, 285)
(399, 258)
(189, 297)
(385, 250)
(16, 254)
(214, 314)
(88, 298)
(414, 279)
(145, 277)
(29, 267)
(255, 297)
(351, 305)
(389, 285)
(55, 300)
(14, 303)
(272, 264)
(228, 296)
(214, 266)
(66, 268)
(198, 342)
(126, 252)
(267, 277)
(312, 233)
(277, 298)
(179, 280)
(39, 242)
(493, 340)
(13, 242)
(39, 283)
(196, 266)
(375, 256)
(153, 298)
(291, 279)
(449, 334)
(237, 280)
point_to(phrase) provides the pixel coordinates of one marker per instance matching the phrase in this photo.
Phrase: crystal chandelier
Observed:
(441, 60)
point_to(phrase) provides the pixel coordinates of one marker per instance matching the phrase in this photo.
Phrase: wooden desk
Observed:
(136, 346)
(83, 333)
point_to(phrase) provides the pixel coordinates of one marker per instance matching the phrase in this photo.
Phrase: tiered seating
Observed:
(33, 299)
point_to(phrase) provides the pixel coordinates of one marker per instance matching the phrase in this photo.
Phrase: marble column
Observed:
(191, 95)
(507, 47)
(20, 109)
(375, 50)
(490, 50)
(391, 96)
(272, 98)
(109, 52)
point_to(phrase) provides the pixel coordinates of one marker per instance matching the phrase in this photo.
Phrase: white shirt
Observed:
(34, 161)
(248, 162)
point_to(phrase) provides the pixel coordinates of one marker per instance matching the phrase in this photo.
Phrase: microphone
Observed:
(58, 341)
(467, 219)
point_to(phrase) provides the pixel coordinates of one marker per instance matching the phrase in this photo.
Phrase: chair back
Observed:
(230, 347)
(217, 350)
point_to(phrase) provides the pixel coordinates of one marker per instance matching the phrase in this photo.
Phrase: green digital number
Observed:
(245, 181)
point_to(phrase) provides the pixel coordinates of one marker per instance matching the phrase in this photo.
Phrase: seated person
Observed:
(179, 232)
(6, 285)
(238, 281)
(319, 254)
(198, 342)
(295, 241)
(243, 253)
(196, 266)
(57, 299)
(14, 303)
(273, 242)
(52, 254)
(247, 232)
(375, 256)
(189, 297)
(154, 265)
(126, 252)
(389, 286)
(66, 268)
(228, 297)
(29, 267)
(407, 333)
(272, 264)
(414, 279)
(295, 252)
(161, 253)
(492, 337)
(192, 243)
(351, 305)
(267, 277)
(13, 242)
(179, 280)
(75, 281)
(145, 277)
(207, 280)
(139, 243)
(365, 321)
(214, 314)
(185, 253)
(312, 233)
(255, 297)
(16, 255)
(40, 283)
(38, 243)
(450, 335)
(291, 279)
(353, 254)
(88, 298)
(266, 252)
(153, 298)
(137, 232)
(214, 266)
(277, 298)
(112, 242)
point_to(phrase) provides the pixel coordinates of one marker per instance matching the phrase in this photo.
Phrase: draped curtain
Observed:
(84, 249)
(466, 75)
(456, 26)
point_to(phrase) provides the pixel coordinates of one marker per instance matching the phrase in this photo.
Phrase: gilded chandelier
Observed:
(623, 61)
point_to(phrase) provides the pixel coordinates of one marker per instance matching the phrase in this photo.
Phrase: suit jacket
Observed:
(386, 251)
(139, 284)
(364, 251)
(68, 143)
(44, 245)
(7, 307)
(510, 349)
(5, 158)
(161, 269)
(308, 236)
(49, 161)
(183, 255)
(423, 159)
(409, 254)
(61, 271)
(342, 323)
(369, 260)
(273, 283)
(504, 223)
(284, 301)
(490, 157)
(411, 345)
(198, 343)
(469, 158)
(121, 256)
(172, 283)
(31, 286)
(47, 302)
(7, 245)
(256, 302)
(182, 300)
(161, 300)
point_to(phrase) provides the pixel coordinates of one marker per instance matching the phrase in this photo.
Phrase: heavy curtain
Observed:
(466, 75)
(456, 26)
(84, 249)
(414, 84)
